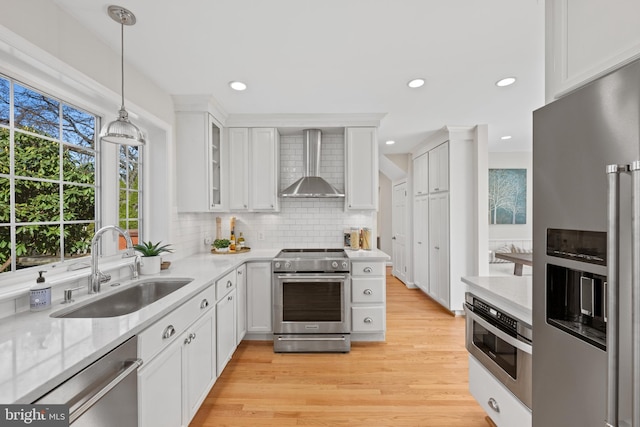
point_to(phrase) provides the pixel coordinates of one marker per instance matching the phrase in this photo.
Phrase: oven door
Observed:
(506, 357)
(311, 303)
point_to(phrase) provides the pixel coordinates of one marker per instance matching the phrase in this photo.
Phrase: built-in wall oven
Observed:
(311, 294)
(502, 344)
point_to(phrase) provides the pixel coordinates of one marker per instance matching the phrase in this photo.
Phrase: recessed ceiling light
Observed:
(390, 142)
(506, 137)
(415, 83)
(507, 81)
(237, 85)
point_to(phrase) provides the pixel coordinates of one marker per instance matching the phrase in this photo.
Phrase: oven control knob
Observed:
(345, 264)
(277, 265)
(334, 264)
(287, 265)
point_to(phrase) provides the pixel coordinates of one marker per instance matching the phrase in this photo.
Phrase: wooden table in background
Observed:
(517, 258)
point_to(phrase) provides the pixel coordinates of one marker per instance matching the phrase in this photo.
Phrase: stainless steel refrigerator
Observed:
(586, 148)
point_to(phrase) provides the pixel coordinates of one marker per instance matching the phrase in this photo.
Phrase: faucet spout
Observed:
(96, 276)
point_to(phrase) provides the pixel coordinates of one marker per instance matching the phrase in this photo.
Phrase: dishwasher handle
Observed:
(130, 367)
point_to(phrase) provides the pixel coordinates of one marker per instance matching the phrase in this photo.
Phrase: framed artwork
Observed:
(507, 196)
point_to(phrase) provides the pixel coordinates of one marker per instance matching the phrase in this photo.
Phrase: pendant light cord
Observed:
(122, 58)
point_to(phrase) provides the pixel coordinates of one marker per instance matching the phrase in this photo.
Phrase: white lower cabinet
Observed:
(226, 332)
(368, 301)
(241, 302)
(173, 384)
(497, 401)
(259, 299)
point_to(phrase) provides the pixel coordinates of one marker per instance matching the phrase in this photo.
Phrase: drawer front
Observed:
(162, 333)
(367, 289)
(367, 319)
(225, 284)
(497, 401)
(367, 268)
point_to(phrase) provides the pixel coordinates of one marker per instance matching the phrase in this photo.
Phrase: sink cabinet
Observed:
(179, 358)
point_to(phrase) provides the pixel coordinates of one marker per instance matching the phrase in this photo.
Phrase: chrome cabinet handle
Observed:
(169, 331)
(493, 404)
(230, 298)
(436, 189)
(368, 320)
(204, 304)
(437, 247)
(367, 292)
(240, 272)
(191, 337)
(368, 269)
(229, 284)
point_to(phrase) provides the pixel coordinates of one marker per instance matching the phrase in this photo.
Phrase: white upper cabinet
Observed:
(200, 158)
(254, 169)
(361, 168)
(238, 168)
(421, 175)
(586, 39)
(439, 168)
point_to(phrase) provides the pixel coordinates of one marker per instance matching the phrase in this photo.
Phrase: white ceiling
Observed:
(345, 56)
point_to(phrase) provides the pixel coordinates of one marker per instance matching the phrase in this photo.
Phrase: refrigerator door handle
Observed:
(613, 270)
(635, 290)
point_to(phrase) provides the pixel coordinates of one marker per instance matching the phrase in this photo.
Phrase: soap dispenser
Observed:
(40, 294)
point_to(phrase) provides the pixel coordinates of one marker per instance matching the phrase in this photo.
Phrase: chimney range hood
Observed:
(311, 185)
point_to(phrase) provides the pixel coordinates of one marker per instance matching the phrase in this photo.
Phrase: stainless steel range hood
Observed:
(311, 185)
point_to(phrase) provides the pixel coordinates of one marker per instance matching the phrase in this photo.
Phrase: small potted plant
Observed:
(221, 245)
(150, 262)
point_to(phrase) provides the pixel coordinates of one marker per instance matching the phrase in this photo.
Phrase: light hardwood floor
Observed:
(418, 377)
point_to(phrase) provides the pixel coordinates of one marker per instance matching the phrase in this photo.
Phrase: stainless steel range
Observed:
(311, 294)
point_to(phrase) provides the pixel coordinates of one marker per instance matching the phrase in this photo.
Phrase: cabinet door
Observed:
(225, 329)
(439, 248)
(264, 169)
(421, 242)
(361, 168)
(439, 168)
(259, 305)
(199, 347)
(421, 175)
(214, 141)
(160, 389)
(241, 302)
(238, 168)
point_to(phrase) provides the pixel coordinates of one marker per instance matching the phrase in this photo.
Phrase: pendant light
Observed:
(121, 130)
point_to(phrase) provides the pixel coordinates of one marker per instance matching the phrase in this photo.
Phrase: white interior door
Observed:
(399, 230)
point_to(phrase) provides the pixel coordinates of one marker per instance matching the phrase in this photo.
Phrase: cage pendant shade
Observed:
(121, 130)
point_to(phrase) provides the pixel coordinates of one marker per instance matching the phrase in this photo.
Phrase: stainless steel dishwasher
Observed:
(104, 394)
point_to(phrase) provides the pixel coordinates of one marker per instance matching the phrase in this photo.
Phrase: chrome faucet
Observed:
(97, 278)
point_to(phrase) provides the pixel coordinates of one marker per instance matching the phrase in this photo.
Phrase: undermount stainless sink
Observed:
(131, 299)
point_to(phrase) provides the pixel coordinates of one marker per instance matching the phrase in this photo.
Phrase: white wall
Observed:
(514, 160)
(385, 213)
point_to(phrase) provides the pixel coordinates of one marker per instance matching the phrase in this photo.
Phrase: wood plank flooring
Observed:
(418, 377)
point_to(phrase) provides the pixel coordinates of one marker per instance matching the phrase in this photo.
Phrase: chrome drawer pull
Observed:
(169, 331)
(229, 284)
(204, 303)
(367, 292)
(493, 404)
(367, 270)
(368, 320)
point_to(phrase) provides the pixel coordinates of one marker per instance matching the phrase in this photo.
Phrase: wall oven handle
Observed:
(520, 345)
(132, 367)
(310, 277)
(613, 270)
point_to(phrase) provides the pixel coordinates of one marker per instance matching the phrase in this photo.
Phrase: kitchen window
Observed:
(130, 193)
(48, 178)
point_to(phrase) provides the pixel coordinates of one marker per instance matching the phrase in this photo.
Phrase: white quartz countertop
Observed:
(37, 352)
(512, 294)
(372, 255)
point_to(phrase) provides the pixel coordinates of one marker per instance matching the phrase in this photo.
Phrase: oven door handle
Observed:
(520, 345)
(310, 277)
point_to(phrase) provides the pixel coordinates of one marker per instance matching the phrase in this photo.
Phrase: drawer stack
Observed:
(368, 296)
